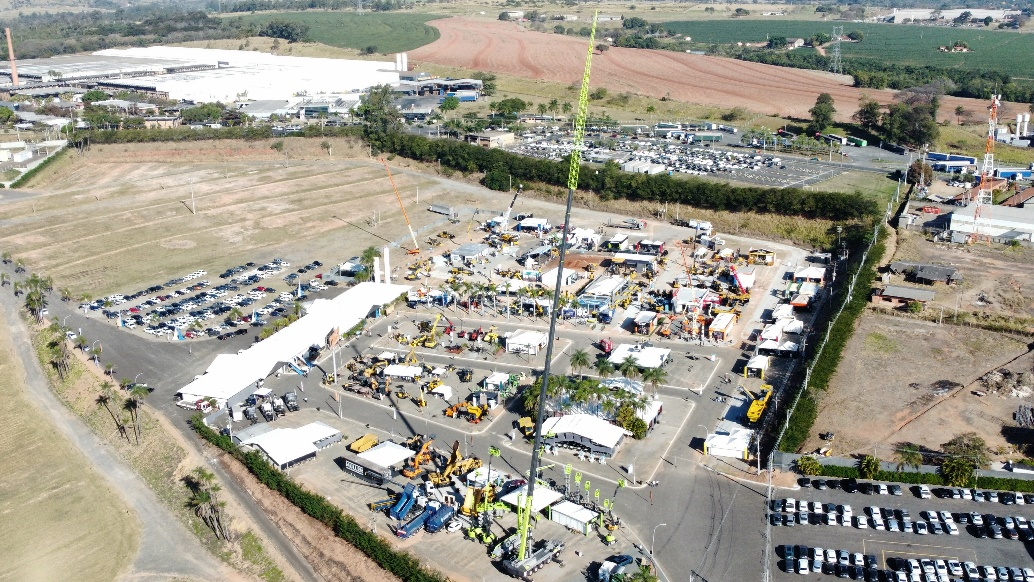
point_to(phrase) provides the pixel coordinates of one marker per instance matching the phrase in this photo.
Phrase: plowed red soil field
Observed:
(505, 48)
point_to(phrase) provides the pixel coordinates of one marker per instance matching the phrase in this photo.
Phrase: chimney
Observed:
(405, 61)
(1026, 124)
(10, 55)
(387, 267)
(1019, 124)
(398, 61)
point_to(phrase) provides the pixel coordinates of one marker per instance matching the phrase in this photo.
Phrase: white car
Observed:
(882, 489)
(790, 505)
(924, 492)
(951, 528)
(70, 336)
(861, 522)
(816, 507)
(845, 510)
(941, 567)
(971, 570)
(955, 567)
(803, 566)
(988, 573)
(1028, 574)
(946, 516)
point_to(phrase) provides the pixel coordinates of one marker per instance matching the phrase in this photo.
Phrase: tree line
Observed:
(609, 182)
(298, 5)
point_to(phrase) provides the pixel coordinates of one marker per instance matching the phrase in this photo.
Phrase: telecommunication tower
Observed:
(985, 191)
(835, 65)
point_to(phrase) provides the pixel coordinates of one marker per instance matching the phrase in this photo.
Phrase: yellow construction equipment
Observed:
(363, 443)
(411, 357)
(446, 234)
(422, 457)
(758, 405)
(476, 412)
(402, 394)
(453, 410)
(419, 400)
(527, 426)
(457, 465)
(492, 336)
(477, 497)
(416, 246)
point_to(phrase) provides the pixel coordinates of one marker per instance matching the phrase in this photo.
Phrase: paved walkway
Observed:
(167, 550)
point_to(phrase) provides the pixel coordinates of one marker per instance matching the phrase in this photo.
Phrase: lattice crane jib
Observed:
(985, 191)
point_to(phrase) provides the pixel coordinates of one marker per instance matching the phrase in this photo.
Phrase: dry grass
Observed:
(61, 521)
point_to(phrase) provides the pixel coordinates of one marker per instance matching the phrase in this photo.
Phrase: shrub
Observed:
(957, 471)
(869, 467)
(807, 465)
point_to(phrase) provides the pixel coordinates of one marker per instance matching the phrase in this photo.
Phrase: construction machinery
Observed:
(454, 410)
(422, 457)
(440, 517)
(291, 400)
(385, 503)
(457, 465)
(363, 443)
(476, 412)
(446, 235)
(416, 245)
(401, 394)
(526, 425)
(465, 374)
(492, 335)
(405, 502)
(419, 399)
(477, 497)
(759, 403)
(404, 531)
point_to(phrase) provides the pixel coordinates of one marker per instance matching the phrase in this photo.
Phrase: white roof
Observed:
(511, 285)
(544, 497)
(387, 454)
(534, 223)
(634, 257)
(549, 277)
(648, 414)
(626, 384)
(810, 273)
(444, 391)
(496, 379)
(315, 432)
(723, 322)
(231, 373)
(786, 346)
(645, 357)
(772, 332)
(527, 338)
(283, 445)
(260, 75)
(758, 362)
(593, 428)
(645, 317)
(618, 238)
(604, 286)
(402, 371)
(655, 243)
(574, 511)
(387, 356)
(736, 440)
(782, 310)
(263, 392)
(746, 277)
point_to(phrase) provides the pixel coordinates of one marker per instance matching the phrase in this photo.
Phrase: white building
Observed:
(287, 447)
(735, 443)
(645, 357)
(526, 342)
(1004, 222)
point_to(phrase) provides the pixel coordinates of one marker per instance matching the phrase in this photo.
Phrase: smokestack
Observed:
(405, 61)
(10, 55)
(376, 270)
(398, 61)
(1019, 124)
(387, 267)
(1026, 124)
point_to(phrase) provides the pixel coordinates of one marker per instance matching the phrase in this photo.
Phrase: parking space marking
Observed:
(915, 551)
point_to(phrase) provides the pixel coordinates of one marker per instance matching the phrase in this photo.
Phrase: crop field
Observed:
(990, 49)
(388, 32)
(61, 521)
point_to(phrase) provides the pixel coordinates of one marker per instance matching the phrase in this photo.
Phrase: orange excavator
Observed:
(422, 457)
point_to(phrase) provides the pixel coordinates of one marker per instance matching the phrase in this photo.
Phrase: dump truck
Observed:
(363, 443)
(405, 503)
(404, 531)
(440, 517)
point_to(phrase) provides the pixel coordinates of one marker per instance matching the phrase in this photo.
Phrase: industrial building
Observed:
(601, 292)
(232, 377)
(207, 75)
(1003, 224)
(583, 431)
(286, 447)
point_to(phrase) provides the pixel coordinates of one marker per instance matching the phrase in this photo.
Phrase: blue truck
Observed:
(438, 520)
(404, 531)
(405, 502)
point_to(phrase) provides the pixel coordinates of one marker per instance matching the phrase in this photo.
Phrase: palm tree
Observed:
(604, 368)
(908, 455)
(629, 368)
(36, 302)
(579, 361)
(655, 377)
(85, 298)
(368, 255)
(66, 294)
(553, 107)
(109, 370)
(5, 257)
(566, 107)
(296, 309)
(16, 288)
(542, 108)
(5, 279)
(236, 314)
(62, 359)
(82, 343)
(104, 399)
(133, 404)
(204, 502)
(95, 355)
(19, 266)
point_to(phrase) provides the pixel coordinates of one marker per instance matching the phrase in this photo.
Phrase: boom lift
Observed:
(416, 246)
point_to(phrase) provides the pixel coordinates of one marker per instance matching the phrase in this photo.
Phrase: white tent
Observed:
(735, 443)
(402, 371)
(444, 391)
(526, 342)
(626, 384)
(645, 357)
(544, 497)
(549, 277)
(230, 375)
(585, 431)
(573, 516)
(496, 380)
(387, 454)
(758, 365)
(286, 447)
(809, 275)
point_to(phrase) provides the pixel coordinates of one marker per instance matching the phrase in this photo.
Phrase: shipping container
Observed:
(857, 141)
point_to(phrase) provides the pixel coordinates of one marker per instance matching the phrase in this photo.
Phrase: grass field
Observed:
(389, 32)
(990, 49)
(61, 521)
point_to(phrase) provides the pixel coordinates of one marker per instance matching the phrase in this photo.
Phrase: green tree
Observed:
(629, 368)
(908, 455)
(94, 95)
(868, 115)
(207, 113)
(278, 147)
(579, 361)
(603, 368)
(957, 471)
(919, 173)
(379, 112)
(777, 42)
(204, 501)
(868, 467)
(634, 22)
(289, 31)
(497, 179)
(968, 446)
(808, 465)
(655, 377)
(856, 35)
(822, 113)
(450, 103)
(6, 115)
(488, 82)
(603, 47)
(959, 112)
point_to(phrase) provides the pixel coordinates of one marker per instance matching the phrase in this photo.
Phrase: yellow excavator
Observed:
(422, 457)
(477, 497)
(457, 465)
(759, 403)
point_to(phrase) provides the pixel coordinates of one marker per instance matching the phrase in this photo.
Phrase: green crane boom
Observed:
(524, 516)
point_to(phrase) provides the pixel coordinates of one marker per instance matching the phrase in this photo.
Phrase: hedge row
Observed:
(184, 133)
(401, 564)
(610, 182)
(803, 416)
(913, 478)
(39, 168)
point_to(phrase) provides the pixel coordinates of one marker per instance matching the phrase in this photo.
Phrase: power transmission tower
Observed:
(985, 191)
(835, 65)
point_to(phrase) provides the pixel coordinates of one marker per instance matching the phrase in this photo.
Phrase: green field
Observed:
(990, 49)
(390, 32)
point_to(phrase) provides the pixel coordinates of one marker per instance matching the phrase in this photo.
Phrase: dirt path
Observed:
(505, 48)
(167, 549)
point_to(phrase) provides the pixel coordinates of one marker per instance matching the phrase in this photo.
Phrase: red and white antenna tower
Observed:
(985, 190)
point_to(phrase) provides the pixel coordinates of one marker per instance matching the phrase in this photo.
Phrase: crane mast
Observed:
(416, 245)
(985, 191)
(520, 563)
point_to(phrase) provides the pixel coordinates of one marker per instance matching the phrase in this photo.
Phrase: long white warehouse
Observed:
(232, 377)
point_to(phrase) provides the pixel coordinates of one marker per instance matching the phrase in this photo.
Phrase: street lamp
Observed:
(63, 320)
(653, 541)
(137, 377)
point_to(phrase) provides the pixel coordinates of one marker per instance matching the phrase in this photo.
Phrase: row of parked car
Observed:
(921, 491)
(844, 564)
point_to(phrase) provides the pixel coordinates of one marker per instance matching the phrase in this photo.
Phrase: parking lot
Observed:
(740, 164)
(192, 307)
(973, 539)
